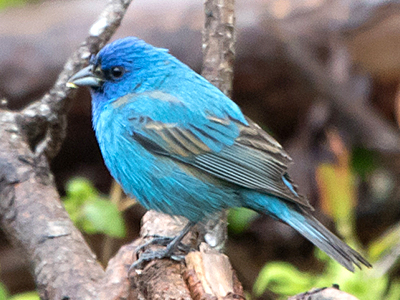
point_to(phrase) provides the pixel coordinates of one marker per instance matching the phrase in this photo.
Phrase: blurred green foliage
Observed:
(383, 245)
(284, 279)
(23, 296)
(10, 3)
(337, 194)
(363, 161)
(92, 212)
(3, 292)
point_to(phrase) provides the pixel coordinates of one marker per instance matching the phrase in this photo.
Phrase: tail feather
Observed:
(321, 237)
(302, 221)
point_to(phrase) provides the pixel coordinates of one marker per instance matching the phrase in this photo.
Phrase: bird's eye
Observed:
(117, 72)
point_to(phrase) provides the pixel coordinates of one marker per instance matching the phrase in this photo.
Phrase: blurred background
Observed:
(321, 76)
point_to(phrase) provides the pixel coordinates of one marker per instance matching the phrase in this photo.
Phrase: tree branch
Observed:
(47, 117)
(31, 213)
(219, 38)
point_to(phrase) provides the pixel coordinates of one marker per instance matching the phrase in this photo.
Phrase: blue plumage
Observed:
(180, 146)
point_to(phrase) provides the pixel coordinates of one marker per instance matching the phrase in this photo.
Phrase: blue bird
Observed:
(180, 146)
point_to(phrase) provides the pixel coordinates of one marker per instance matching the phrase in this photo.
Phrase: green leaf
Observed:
(283, 279)
(385, 243)
(102, 216)
(10, 3)
(91, 212)
(240, 218)
(394, 292)
(337, 186)
(3, 292)
(363, 161)
(79, 190)
(26, 296)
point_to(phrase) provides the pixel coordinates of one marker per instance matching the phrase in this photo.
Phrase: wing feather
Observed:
(192, 139)
(239, 153)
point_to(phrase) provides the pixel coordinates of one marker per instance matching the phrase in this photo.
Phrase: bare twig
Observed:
(218, 46)
(48, 116)
(209, 272)
(219, 39)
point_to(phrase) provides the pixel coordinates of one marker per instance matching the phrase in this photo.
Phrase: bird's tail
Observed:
(301, 220)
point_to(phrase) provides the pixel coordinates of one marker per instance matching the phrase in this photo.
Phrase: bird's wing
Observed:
(239, 152)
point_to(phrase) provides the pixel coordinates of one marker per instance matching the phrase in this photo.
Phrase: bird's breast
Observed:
(128, 162)
(158, 182)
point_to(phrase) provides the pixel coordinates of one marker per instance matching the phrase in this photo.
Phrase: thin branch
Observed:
(194, 281)
(48, 115)
(219, 40)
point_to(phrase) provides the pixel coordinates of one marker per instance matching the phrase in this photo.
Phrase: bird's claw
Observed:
(161, 241)
(168, 252)
(156, 240)
(148, 256)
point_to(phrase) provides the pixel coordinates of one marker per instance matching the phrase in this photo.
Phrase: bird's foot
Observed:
(168, 252)
(161, 241)
(148, 256)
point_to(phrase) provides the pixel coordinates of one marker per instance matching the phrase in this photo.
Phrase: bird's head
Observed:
(125, 66)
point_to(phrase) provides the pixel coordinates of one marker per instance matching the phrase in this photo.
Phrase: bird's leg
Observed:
(177, 240)
(171, 243)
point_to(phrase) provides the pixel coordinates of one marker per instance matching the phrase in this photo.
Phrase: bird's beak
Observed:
(85, 77)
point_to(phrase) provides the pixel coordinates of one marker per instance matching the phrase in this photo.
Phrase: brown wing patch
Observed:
(255, 137)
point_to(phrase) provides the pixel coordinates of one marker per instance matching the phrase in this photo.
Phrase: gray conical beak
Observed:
(85, 77)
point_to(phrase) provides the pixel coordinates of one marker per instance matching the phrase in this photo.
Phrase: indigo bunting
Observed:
(180, 146)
